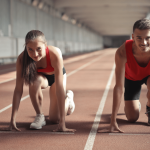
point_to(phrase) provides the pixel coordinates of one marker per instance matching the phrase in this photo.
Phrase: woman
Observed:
(40, 66)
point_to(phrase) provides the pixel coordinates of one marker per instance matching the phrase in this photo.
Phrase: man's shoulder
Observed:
(121, 51)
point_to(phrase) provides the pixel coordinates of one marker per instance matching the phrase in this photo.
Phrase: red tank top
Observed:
(132, 70)
(49, 68)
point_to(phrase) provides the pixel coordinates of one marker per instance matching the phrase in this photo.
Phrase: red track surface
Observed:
(88, 85)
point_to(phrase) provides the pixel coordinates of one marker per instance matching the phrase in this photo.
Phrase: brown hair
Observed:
(142, 24)
(29, 70)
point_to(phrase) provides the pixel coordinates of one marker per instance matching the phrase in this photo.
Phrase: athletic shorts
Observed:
(51, 78)
(133, 88)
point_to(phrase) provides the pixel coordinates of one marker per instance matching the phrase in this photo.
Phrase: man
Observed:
(132, 70)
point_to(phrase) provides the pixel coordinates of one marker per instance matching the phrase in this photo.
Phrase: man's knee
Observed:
(148, 83)
(132, 119)
(132, 116)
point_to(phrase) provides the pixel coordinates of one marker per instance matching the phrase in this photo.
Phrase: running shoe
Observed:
(38, 122)
(71, 107)
(148, 114)
(139, 106)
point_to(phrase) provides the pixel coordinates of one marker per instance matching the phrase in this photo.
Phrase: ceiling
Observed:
(106, 17)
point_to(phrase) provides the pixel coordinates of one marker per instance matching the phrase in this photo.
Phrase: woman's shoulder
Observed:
(54, 51)
(20, 57)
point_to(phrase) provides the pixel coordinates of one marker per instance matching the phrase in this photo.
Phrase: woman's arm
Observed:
(57, 63)
(17, 93)
(120, 60)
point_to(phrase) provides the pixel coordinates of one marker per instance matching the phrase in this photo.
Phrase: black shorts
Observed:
(51, 78)
(133, 88)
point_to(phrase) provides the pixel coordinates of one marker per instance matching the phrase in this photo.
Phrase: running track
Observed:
(91, 78)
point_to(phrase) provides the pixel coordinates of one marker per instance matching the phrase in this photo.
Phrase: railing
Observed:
(11, 58)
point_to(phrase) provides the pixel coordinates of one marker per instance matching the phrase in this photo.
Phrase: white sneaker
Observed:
(71, 102)
(38, 122)
(139, 106)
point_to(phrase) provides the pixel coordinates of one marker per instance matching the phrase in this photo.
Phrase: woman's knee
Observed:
(38, 81)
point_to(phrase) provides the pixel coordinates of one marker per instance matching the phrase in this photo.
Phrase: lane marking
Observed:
(7, 69)
(77, 58)
(11, 104)
(7, 80)
(85, 65)
(128, 134)
(69, 74)
(92, 134)
(17, 132)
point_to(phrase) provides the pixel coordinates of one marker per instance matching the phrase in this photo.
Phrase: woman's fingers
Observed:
(70, 130)
(64, 130)
(121, 131)
(16, 128)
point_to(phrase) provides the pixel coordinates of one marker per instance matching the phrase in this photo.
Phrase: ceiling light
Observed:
(65, 17)
(41, 4)
(35, 2)
(73, 21)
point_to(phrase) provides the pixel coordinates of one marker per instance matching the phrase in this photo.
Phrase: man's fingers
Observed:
(107, 130)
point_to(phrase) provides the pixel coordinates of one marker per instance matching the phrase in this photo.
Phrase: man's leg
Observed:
(132, 110)
(148, 102)
(131, 97)
(148, 93)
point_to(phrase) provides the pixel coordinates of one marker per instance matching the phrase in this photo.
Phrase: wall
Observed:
(17, 18)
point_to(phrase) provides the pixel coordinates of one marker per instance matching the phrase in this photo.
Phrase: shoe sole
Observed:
(69, 91)
(43, 124)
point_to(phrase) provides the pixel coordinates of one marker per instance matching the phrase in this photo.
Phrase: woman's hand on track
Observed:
(11, 127)
(62, 128)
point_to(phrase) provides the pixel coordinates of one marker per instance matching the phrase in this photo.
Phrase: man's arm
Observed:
(120, 60)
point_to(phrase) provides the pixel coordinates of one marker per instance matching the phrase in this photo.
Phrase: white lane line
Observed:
(70, 60)
(7, 80)
(11, 104)
(85, 65)
(7, 69)
(77, 58)
(27, 132)
(91, 138)
(69, 74)
(122, 134)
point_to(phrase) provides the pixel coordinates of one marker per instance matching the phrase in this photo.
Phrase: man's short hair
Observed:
(142, 24)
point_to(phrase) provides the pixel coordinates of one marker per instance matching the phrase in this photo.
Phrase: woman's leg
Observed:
(35, 92)
(54, 111)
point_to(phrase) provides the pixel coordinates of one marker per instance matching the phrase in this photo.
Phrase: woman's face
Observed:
(36, 49)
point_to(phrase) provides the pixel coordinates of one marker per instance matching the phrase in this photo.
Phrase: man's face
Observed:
(142, 39)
